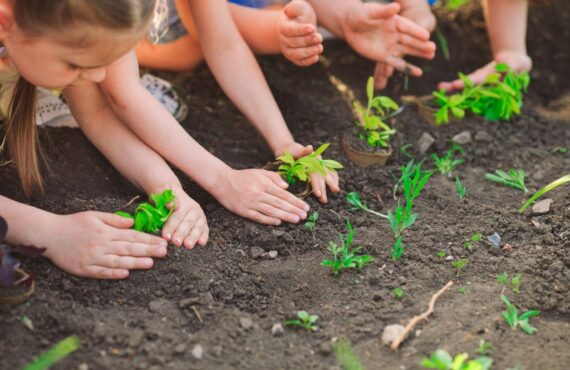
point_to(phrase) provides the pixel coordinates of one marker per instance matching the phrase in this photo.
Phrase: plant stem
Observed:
(377, 213)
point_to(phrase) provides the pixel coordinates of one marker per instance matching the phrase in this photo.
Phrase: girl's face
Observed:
(48, 63)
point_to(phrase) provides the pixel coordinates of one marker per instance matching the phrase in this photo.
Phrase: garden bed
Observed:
(224, 298)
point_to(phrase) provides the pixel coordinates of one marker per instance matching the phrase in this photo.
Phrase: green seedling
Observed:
(461, 191)
(499, 97)
(311, 223)
(446, 164)
(442, 42)
(514, 178)
(374, 130)
(560, 149)
(553, 185)
(441, 254)
(484, 348)
(456, 4)
(405, 150)
(355, 201)
(463, 290)
(301, 169)
(410, 170)
(151, 218)
(346, 257)
(468, 245)
(398, 292)
(515, 320)
(442, 360)
(514, 282)
(305, 321)
(346, 356)
(55, 354)
(459, 265)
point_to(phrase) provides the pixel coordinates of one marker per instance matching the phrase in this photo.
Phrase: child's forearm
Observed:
(22, 218)
(506, 24)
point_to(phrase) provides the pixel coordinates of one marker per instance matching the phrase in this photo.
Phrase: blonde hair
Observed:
(57, 17)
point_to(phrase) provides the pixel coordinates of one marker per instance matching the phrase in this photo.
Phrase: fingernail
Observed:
(178, 241)
(307, 207)
(296, 219)
(168, 236)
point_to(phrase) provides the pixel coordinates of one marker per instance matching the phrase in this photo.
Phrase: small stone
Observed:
(425, 142)
(277, 330)
(536, 224)
(507, 248)
(495, 240)
(483, 136)
(462, 138)
(256, 252)
(198, 352)
(83, 367)
(27, 322)
(246, 323)
(278, 233)
(325, 348)
(391, 332)
(541, 207)
(180, 348)
(418, 332)
(449, 258)
(271, 255)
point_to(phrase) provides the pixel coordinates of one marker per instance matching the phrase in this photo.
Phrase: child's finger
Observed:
(400, 64)
(183, 230)
(204, 237)
(114, 220)
(291, 29)
(140, 250)
(423, 47)
(172, 224)
(303, 41)
(125, 262)
(307, 61)
(261, 218)
(304, 52)
(192, 238)
(409, 27)
(380, 12)
(332, 181)
(134, 236)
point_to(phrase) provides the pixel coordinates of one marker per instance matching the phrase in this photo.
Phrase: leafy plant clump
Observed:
(346, 257)
(442, 360)
(459, 265)
(305, 321)
(446, 164)
(468, 245)
(515, 320)
(374, 130)
(301, 169)
(353, 198)
(151, 218)
(553, 185)
(499, 97)
(398, 292)
(514, 178)
(514, 283)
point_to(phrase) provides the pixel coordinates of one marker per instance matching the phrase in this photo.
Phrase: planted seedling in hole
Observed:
(151, 218)
(398, 292)
(553, 185)
(305, 321)
(442, 360)
(346, 257)
(468, 245)
(514, 283)
(311, 223)
(484, 348)
(441, 254)
(355, 201)
(446, 164)
(301, 169)
(515, 320)
(459, 265)
(514, 178)
(461, 191)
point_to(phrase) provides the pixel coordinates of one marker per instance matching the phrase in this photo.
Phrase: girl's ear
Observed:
(6, 18)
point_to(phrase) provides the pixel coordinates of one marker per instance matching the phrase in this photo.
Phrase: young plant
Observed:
(515, 320)
(446, 164)
(151, 218)
(311, 223)
(353, 198)
(398, 292)
(514, 178)
(484, 348)
(346, 257)
(55, 354)
(553, 185)
(374, 130)
(301, 169)
(442, 360)
(305, 321)
(468, 245)
(461, 191)
(405, 150)
(409, 170)
(514, 282)
(459, 265)
(441, 254)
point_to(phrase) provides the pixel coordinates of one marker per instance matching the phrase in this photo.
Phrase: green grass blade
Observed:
(346, 356)
(561, 181)
(55, 354)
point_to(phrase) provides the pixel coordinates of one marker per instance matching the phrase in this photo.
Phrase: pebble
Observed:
(278, 233)
(180, 348)
(325, 348)
(83, 367)
(271, 255)
(462, 138)
(27, 322)
(246, 323)
(495, 240)
(483, 136)
(391, 332)
(541, 207)
(256, 252)
(198, 352)
(277, 330)
(449, 258)
(507, 248)
(425, 142)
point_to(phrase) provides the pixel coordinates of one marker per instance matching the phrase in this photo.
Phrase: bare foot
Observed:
(519, 62)
(298, 37)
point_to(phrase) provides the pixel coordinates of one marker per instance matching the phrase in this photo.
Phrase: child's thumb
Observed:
(114, 220)
(377, 11)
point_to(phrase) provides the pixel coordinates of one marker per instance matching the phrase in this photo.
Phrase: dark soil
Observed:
(156, 318)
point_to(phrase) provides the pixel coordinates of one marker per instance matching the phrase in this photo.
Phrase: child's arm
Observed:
(506, 25)
(256, 194)
(140, 164)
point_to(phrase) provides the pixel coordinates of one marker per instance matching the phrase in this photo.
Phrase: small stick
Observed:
(131, 201)
(197, 314)
(413, 322)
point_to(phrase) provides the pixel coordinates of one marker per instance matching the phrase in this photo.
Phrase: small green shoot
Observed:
(553, 185)
(560, 149)
(459, 265)
(151, 218)
(446, 164)
(461, 191)
(441, 254)
(463, 290)
(484, 348)
(301, 169)
(514, 282)
(345, 355)
(346, 257)
(515, 320)
(398, 292)
(305, 321)
(55, 354)
(311, 222)
(355, 201)
(514, 178)
(468, 245)
(456, 4)
(442, 42)
(405, 150)
(441, 360)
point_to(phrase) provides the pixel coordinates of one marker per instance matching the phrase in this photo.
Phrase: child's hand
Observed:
(101, 245)
(299, 40)
(519, 62)
(419, 12)
(259, 195)
(187, 225)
